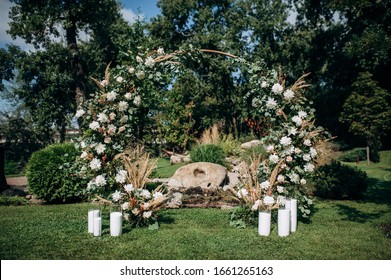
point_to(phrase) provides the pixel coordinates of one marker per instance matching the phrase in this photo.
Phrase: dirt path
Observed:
(17, 181)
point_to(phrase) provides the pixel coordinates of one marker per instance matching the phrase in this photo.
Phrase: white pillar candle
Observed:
(97, 226)
(288, 203)
(293, 215)
(92, 214)
(115, 223)
(264, 222)
(283, 222)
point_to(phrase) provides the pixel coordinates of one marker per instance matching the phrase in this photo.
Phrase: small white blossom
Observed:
(271, 103)
(257, 204)
(95, 164)
(129, 187)
(297, 151)
(111, 129)
(125, 206)
(280, 189)
(103, 83)
(119, 79)
(292, 131)
(139, 59)
(112, 95)
(309, 167)
(145, 194)
(102, 117)
(277, 88)
(100, 180)
(313, 152)
(107, 140)
(280, 178)
(83, 144)
(302, 114)
(84, 155)
(307, 142)
(120, 177)
(265, 185)
(128, 95)
(285, 141)
(94, 125)
(289, 94)
(131, 70)
(160, 51)
(140, 75)
(270, 148)
(289, 159)
(122, 106)
(147, 214)
(123, 119)
(242, 193)
(295, 178)
(121, 129)
(149, 62)
(116, 196)
(281, 200)
(137, 100)
(112, 116)
(100, 148)
(303, 182)
(79, 113)
(146, 206)
(157, 195)
(307, 157)
(264, 84)
(297, 120)
(268, 200)
(274, 158)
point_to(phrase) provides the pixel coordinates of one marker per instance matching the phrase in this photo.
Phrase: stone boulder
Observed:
(205, 175)
(249, 145)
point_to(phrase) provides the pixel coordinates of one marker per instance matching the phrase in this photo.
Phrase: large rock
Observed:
(200, 174)
(249, 145)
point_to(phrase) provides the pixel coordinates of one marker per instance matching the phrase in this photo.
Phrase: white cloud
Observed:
(131, 16)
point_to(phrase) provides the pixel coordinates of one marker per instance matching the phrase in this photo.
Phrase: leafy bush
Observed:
(51, 175)
(353, 155)
(13, 167)
(208, 153)
(338, 181)
(230, 145)
(248, 154)
(241, 216)
(12, 200)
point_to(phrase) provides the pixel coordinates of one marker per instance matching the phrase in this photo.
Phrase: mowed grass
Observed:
(338, 230)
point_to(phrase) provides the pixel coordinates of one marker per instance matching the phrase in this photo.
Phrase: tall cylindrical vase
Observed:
(264, 223)
(92, 214)
(283, 222)
(115, 223)
(293, 215)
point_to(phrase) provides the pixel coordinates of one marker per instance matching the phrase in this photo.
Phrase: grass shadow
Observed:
(354, 215)
(378, 192)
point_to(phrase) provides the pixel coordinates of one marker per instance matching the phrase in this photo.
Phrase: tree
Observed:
(367, 112)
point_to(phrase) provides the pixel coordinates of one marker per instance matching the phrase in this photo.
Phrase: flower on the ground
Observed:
(120, 177)
(137, 100)
(145, 193)
(270, 148)
(280, 178)
(303, 181)
(111, 129)
(264, 84)
(128, 95)
(139, 59)
(302, 114)
(140, 75)
(257, 205)
(103, 83)
(307, 157)
(292, 131)
(160, 51)
(84, 155)
(125, 206)
(102, 117)
(313, 152)
(112, 116)
(131, 70)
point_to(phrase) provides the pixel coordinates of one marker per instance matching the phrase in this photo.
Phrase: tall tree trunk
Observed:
(368, 157)
(71, 36)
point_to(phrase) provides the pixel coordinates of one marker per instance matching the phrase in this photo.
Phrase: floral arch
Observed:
(118, 174)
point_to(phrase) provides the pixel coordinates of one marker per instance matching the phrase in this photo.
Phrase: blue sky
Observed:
(130, 10)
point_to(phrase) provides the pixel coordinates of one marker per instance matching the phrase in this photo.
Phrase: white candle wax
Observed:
(97, 226)
(92, 214)
(264, 223)
(283, 222)
(115, 223)
(293, 215)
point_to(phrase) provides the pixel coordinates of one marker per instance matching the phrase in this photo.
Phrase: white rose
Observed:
(277, 88)
(94, 125)
(79, 113)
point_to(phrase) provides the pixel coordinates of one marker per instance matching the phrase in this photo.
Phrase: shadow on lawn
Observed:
(378, 192)
(355, 215)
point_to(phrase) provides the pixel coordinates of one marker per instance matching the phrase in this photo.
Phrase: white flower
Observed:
(242, 193)
(256, 205)
(129, 187)
(83, 144)
(137, 100)
(122, 106)
(297, 151)
(274, 158)
(112, 95)
(84, 155)
(297, 120)
(125, 206)
(268, 200)
(116, 196)
(102, 117)
(120, 177)
(302, 114)
(309, 167)
(307, 142)
(280, 189)
(107, 140)
(112, 116)
(264, 84)
(121, 129)
(94, 125)
(303, 182)
(271, 103)
(95, 164)
(270, 148)
(111, 129)
(119, 79)
(128, 95)
(139, 59)
(307, 157)
(149, 62)
(146, 206)
(285, 141)
(292, 131)
(295, 178)
(147, 214)
(289, 94)
(265, 185)
(79, 113)
(289, 159)
(100, 148)
(156, 195)
(91, 185)
(281, 200)
(280, 178)
(145, 194)
(135, 211)
(103, 83)
(100, 180)
(123, 119)
(140, 75)
(160, 51)
(277, 88)
(313, 152)
(131, 70)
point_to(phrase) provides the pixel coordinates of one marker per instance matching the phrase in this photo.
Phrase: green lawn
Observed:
(338, 230)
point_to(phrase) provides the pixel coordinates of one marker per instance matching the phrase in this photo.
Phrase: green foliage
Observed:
(338, 181)
(13, 168)
(354, 155)
(230, 145)
(51, 175)
(253, 152)
(208, 153)
(12, 200)
(242, 216)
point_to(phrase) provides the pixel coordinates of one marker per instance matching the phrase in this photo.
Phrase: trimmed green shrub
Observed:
(51, 175)
(12, 200)
(338, 181)
(353, 155)
(208, 153)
